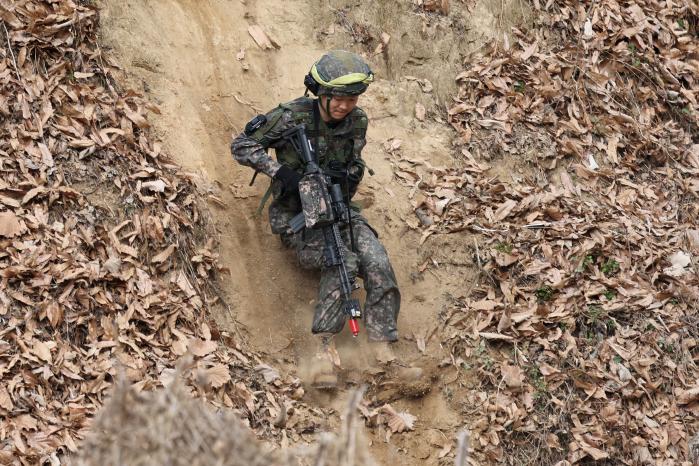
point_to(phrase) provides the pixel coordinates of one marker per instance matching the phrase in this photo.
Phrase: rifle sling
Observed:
(316, 130)
(263, 201)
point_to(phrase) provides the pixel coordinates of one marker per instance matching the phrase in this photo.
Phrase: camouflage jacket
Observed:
(336, 146)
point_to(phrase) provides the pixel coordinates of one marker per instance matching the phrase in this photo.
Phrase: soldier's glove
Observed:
(355, 173)
(289, 178)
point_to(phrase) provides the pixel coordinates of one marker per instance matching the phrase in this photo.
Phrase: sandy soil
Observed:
(185, 55)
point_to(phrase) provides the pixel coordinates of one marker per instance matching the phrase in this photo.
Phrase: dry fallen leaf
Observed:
(446, 449)
(505, 209)
(693, 240)
(495, 336)
(504, 259)
(113, 264)
(529, 51)
(484, 305)
(157, 186)
(163, 255)
(421, 345)
(184, 285)
(398, 421)
(54, 312)
(179, 346)
(688, 396)
(261, 38)
(679, 260)
(5, 399)
(441, 6)
(269, 373)
(512, 375)
(217, 375)
(168, 376)
(420, 112)
(201, 347)
(10, 225)
(42, 350)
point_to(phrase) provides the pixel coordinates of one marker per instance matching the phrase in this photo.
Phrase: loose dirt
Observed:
(196, 60)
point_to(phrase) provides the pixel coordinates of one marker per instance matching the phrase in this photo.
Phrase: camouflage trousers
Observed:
(370, 262)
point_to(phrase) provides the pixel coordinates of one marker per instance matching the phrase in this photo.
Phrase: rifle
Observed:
(323, 207)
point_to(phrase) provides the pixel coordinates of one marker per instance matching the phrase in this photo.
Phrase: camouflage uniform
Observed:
(336, 147)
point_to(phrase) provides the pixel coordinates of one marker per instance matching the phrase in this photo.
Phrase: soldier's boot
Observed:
(324, 365)
(323, 376)
(401, 379)
(383, 353)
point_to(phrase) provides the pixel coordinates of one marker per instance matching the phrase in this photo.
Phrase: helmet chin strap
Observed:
(327, 109)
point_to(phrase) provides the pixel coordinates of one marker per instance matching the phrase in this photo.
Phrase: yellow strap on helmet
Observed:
(346, 80)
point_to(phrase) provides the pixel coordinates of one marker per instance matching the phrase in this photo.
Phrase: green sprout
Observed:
(537, 381)
(594, 312)
(666, 346)
(610, 267)
(544, 293)
(505, 248)
(588, 261)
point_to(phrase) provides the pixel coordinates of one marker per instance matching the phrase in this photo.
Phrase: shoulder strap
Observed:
(316, 128)
(359, 127)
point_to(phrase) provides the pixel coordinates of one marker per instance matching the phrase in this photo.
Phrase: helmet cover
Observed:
(341, 73)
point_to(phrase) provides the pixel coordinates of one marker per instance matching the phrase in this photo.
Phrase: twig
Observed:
(478, 255)
(350, 428)
(241, 101)
(9, 46)
(382, 116)
(323, 443)
(502, 13)
(489, 230)
(663, 323)
(462, 448)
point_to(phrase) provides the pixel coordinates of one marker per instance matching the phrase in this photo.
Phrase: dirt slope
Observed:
(185, 54)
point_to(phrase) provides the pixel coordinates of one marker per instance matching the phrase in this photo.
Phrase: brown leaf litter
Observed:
(582, 330)
(106, 264)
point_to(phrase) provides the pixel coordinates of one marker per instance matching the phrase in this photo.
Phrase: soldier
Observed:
(336, 129)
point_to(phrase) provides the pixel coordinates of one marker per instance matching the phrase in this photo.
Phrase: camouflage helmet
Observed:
(339, 73)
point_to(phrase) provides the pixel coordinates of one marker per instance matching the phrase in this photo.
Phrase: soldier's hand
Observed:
(289, 178)
(355, 173)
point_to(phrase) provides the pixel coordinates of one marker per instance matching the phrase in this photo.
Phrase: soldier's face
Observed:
(340, 106)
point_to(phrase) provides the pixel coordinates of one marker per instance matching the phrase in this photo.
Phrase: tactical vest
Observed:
(332, 146)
